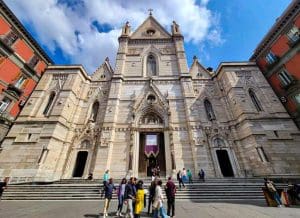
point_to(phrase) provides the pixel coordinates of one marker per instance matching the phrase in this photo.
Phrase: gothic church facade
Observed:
(151, 110)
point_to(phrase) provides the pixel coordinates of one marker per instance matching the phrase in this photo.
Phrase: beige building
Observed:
(151, 110)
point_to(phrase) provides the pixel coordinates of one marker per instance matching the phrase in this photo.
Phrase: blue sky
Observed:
(86, 31)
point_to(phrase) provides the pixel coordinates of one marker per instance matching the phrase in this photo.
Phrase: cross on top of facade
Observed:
(150, 11)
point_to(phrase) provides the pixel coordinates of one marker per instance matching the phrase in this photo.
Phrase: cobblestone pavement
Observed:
(91, 209)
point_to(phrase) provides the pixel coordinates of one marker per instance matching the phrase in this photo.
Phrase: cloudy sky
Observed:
(86, 31)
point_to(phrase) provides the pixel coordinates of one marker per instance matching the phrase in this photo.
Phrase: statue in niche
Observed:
(209, 110)
(219, 142)
(151, 119)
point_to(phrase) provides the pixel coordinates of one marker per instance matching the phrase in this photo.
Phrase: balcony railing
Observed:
(13, 88)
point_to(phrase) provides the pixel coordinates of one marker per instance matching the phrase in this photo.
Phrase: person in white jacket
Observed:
(158, 201)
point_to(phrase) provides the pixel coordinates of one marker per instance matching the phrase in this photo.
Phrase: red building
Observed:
(278, 57)
(22, 62)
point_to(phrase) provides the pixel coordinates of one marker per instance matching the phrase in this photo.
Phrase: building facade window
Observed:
(297, 98)
(151, 65)
(262, 155)
(33, 61)
(271, 58)
(255, 100)
(50, 102)
(10, 38)
(95, 109)
(20, 82)
(4, 103)
(285, 78)
(2, 58)
(293, 34)
(209, 110)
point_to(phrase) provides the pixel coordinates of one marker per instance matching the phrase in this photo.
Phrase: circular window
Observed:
(150, 32)
(151, 98)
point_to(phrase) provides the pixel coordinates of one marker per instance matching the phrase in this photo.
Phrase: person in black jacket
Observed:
(108, 192)
(129, 196)
(3, 185)
(151, 194)
(170, 192)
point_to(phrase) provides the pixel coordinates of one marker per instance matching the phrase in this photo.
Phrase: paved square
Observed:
(184, 209)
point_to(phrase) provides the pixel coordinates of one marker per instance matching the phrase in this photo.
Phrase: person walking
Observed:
(190, 176)
(179, 178)
(106, 176)
(108, 191)
(105, 180)
(202, 175)
(129, 197)
(121, 192)
(158, 202)
(170, 192)
(3, 185)
(151, 194)
(272, 189)
(140, 201)
(184, 176)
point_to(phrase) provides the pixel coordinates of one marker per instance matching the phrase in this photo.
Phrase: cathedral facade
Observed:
(151, 110)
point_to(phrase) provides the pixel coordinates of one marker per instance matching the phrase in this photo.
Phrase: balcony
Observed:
(294, 43)
(12, 88)
(275, 61)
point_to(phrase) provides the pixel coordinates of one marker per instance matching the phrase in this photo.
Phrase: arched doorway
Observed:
(80, 163)
(224, 163)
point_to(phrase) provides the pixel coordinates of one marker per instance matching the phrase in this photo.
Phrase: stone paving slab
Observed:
(91, 209)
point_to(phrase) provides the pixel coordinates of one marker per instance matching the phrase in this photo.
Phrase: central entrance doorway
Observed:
(152, 153)
(224, 163)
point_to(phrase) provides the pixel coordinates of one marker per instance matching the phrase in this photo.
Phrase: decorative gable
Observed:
(150, 29)
(197, 71)
(104, 72)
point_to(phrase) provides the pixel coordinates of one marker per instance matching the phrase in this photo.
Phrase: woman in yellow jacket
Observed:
(140, 202)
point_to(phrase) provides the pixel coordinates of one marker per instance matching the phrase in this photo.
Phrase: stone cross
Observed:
(150, 11)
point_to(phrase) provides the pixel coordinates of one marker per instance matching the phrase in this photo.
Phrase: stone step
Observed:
(214, 190)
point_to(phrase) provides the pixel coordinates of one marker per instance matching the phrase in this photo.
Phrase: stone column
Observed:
(136, 151)
(167, 153)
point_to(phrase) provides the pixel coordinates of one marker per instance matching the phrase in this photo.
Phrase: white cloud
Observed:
(56, 23)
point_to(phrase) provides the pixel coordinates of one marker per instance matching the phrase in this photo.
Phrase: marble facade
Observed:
(228, 122)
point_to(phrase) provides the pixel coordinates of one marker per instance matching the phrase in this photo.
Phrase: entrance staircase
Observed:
(212, 190)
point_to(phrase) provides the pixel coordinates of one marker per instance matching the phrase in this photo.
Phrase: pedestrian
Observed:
(105, 180)
(273, 191)
(106, 176)
(151, 194)
(157, 171)
(153, 177)
(3, 185)
(121, 192)
(179, 178)
(90, 176)
(293, 192)
(184, 176)
(202, 175)
(190, 176)
(129, 197)
(170, 192)
(108, 191)
(158, 207)
(140, 201)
